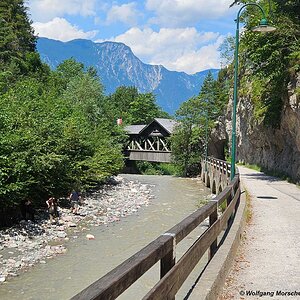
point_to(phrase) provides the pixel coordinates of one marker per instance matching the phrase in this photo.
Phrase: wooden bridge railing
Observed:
(163, 249)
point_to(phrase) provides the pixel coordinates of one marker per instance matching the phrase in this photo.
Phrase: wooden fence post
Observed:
(239, 199)
(213, 217)
(228, 200)
(168, 261)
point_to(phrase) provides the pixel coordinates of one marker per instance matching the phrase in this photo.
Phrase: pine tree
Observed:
(17, 45)
(16, 34)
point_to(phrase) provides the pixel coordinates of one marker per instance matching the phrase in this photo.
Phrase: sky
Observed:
(181, 35)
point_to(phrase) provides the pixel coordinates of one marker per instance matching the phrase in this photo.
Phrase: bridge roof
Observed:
(168, 124)
(134, 129)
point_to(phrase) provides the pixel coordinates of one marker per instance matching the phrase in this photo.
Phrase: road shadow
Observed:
(266, 197)
(261, 176)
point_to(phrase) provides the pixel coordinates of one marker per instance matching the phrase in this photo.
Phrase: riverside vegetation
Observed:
(57, 128)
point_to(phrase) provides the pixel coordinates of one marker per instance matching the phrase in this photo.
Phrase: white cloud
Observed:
(61, 29)
(206, 57)
(180, 49)
(46, 10)
(126, 13)
(186, 12)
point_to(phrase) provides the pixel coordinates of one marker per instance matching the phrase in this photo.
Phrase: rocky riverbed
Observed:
(28, 243)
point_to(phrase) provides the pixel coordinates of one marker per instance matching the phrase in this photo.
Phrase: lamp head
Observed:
(263, 27)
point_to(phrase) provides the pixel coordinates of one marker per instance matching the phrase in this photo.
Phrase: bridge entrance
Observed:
(150, 142)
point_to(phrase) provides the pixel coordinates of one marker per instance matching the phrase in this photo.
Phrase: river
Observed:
(87, 260)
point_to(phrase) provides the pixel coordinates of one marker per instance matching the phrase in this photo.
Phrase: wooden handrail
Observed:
(163, 249)
(174, 279)
(111, 285)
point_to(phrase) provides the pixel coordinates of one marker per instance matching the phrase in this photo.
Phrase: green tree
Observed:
(17, 45)
(53, 138)
(196, 117)
(227, 50)
(30, 130)
(117, 104)
(88, 136)
(143, 109)
(187, 143)
(67, 70)
(16, 33)
(269, 58)
(133, 107)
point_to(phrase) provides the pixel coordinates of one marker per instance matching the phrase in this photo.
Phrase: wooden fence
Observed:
(172, 273)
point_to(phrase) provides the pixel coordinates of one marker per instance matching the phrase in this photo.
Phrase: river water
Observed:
(88, 260)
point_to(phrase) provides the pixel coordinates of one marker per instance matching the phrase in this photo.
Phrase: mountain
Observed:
(117, 65)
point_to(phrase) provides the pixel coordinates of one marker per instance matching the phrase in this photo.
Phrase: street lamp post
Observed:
(263, 27)
(206, 134)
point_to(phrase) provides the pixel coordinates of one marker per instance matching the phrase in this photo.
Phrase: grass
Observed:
(251, 166)
(278, 174)
(202, 202)
(223, 206)
(273, 173)
(249, 208)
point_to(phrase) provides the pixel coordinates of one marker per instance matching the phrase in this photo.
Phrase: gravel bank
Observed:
(28, 243)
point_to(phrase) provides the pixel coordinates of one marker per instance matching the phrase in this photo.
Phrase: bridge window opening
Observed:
(213, 189)
(207, 182)
(223, 206)
(220, 189)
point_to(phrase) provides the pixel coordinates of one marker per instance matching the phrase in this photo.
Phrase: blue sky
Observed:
(182, 35)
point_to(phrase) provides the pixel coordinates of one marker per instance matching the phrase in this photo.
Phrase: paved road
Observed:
(270, 257)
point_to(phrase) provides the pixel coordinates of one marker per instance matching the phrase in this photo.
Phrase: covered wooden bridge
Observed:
(150, 142)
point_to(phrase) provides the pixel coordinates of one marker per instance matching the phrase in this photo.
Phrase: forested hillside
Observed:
(58, 130)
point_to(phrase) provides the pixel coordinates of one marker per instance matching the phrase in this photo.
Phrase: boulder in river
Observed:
(90, 237)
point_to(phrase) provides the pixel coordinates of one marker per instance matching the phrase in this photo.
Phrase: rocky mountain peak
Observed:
(117, 65)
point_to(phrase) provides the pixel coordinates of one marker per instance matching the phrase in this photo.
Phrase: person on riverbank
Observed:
(74, 201)
(52, 204)
(27, 210)
(23, 209)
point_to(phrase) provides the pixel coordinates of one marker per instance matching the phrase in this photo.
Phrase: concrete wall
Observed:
(215, 176)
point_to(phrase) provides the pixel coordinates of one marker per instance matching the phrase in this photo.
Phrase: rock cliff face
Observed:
(274, 149)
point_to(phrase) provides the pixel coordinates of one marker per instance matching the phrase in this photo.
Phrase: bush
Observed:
(152, 168)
